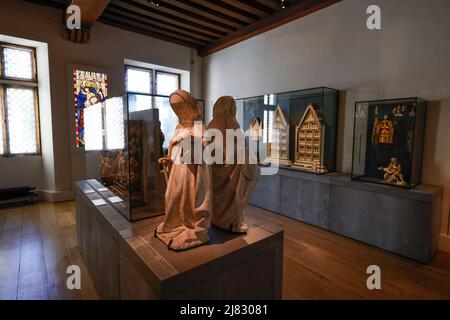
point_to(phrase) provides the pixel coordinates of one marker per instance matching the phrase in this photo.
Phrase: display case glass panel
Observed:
(124, 138)
(297, 129)
(388, 141)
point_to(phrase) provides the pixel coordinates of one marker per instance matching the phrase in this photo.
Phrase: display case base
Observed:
(126, 261)
(403, 221)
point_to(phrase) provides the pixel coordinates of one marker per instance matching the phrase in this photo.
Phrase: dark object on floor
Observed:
(15, 196)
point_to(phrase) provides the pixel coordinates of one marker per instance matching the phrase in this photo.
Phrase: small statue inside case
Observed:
(388, 141)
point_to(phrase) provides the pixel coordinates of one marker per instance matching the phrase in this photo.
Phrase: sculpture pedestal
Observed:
(126, 261)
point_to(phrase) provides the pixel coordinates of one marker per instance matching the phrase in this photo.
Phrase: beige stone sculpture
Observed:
(188, 195)
(233, 184)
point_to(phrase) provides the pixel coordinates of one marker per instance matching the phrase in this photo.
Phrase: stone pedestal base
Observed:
(126, 261)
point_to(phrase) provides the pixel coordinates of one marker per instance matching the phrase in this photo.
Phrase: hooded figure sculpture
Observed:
(188, 194)
(233, 183)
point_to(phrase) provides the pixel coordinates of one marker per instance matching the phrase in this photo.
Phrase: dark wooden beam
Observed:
(252, 8)
(147, 32)
(141, 14)
(59, 4)
(167, 34)
(90, 10)
(143, 21)
(279, 18)
(261, 6)
(275, 5)
(152, 12)
(228, 10)
(188, 15)
(209, 13)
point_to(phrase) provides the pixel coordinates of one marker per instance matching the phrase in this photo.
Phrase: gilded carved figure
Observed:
(393, 173)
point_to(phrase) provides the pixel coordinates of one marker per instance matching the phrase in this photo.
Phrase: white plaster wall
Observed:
(333, 47)
(107, 49)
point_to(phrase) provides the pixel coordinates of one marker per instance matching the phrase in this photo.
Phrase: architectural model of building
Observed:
(309, 136)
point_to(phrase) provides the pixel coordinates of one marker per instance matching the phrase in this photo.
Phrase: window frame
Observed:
(152, 85)
(20, 83)
(153, 79)
(166, 72)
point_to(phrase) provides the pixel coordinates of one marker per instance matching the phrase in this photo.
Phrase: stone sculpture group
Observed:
(199, 195)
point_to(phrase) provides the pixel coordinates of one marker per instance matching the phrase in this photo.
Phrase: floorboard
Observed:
(38, 242)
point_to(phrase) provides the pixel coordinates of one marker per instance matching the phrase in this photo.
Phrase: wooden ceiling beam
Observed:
(158, 25)
(245, 6)
(208, 12)
(149, 27)
(153, 13)
(173, 10)
(59, 4)
(147, 32)
(261, 6)
(90, 10)
(227, 10)
(279, 18)
(275, 5)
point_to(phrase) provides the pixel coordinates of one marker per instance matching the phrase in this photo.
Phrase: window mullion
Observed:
(37, 121)
(3, 122)
(6, 149)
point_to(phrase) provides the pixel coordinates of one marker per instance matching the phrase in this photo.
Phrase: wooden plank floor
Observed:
(38, 243)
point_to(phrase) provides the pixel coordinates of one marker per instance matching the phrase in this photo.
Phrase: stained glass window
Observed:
(20, 110)
(19, 125)
(89, 89)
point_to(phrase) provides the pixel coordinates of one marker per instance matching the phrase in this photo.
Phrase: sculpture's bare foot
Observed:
(241, 228)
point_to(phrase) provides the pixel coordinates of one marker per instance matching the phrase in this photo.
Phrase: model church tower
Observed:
(309, 144)
(279, 143)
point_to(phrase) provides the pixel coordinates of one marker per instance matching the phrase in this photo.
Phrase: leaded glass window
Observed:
(19, 116)
(114, 124)
(162, 83)
(20, 112)
(18, 63)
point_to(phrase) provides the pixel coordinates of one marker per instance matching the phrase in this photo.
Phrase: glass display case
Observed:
(296, 129)
(124, 138)
(388, 141)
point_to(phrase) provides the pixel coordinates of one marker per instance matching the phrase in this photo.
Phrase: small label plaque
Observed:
(114, 199)
(98, 202)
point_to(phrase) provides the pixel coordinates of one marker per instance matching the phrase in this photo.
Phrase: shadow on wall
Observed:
(436, 167)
